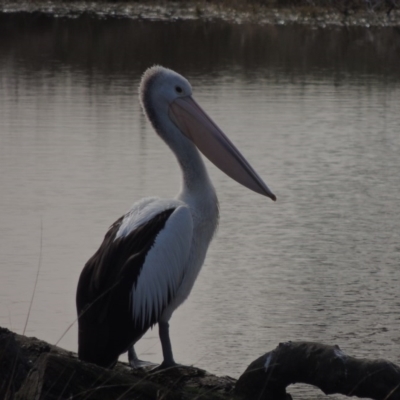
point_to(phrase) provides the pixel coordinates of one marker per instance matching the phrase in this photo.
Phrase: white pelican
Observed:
(150, 257)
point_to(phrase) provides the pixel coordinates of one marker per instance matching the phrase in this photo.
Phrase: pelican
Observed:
(150, 257)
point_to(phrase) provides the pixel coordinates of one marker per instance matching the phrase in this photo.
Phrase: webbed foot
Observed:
(135, 363)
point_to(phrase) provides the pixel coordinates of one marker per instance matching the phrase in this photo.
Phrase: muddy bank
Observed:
(203, 10)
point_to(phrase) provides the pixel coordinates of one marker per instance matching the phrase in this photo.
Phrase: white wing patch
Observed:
(143, 211)
(164, 267)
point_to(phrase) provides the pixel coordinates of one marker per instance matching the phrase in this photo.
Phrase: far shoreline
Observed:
(313, 16)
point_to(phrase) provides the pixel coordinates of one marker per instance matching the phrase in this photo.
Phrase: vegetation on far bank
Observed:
(321, 13)
(344, 6)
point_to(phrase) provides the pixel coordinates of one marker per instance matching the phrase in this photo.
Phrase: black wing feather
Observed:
(106, 325)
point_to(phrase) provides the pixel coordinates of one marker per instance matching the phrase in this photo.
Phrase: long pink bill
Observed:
(215, 145)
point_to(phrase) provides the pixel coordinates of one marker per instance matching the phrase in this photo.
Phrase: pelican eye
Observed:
(178, 89)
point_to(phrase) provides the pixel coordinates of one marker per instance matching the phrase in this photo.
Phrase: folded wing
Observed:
(124, 288)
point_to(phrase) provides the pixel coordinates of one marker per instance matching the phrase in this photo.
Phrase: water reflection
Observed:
(123, 46)
(316, 113)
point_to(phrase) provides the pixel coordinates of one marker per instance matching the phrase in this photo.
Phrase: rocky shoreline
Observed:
(202, 10)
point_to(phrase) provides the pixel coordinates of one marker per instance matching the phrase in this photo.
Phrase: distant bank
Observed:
(319, 13)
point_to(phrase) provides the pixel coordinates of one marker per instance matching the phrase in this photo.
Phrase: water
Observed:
(314, 111)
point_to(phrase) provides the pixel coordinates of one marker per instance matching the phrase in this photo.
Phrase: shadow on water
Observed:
(125, 46)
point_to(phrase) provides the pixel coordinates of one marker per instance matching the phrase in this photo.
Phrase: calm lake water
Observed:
(316, 112)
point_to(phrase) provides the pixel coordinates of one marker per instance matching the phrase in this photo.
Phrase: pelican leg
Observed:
(134, 361)
(163, 329)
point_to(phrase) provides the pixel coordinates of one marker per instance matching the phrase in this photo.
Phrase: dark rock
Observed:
(31, 369)
(14, 367)
(326, 367)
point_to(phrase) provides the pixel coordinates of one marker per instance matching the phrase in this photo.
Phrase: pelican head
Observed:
(166, 98)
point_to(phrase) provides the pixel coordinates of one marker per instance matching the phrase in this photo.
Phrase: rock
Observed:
(326, 367)
(31, 369)
(14, 367)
